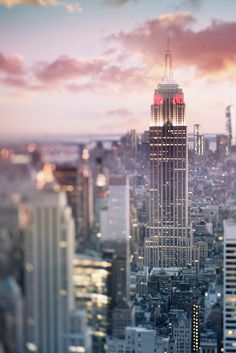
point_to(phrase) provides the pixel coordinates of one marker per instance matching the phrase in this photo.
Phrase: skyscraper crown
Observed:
(168, 73)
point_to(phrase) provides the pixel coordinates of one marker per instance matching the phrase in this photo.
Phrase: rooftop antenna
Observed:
(168, 74)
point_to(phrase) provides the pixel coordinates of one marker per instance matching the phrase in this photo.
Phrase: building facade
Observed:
(230, 286)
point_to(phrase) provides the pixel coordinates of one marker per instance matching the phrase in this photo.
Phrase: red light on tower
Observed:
(178, 98)
(158, 100)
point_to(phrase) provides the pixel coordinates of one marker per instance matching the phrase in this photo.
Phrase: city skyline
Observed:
(65, 67)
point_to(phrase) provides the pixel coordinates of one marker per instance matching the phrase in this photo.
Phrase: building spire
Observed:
(168, 74)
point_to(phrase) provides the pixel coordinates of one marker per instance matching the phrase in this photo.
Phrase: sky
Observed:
(91, 67)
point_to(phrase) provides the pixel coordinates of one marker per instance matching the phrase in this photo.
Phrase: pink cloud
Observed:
(65, 68)
(11, 64)
(211, 50)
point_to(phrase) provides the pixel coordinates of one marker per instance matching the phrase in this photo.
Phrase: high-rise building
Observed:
(49, 248)
(93, 287)
(79, 337)
(229, 286)
(231, 126)
(66, 176)
(123, 315)
(195, 329)
(115, 232)
(101, 182)
(168, 242)
(221, 147)
(85, 201)
(198, 142)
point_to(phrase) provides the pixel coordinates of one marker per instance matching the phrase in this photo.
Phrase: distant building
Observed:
(115, 232)
(221, 147)
(123, 315)
(49, 249)
(195, 329)
(93, 287)
(85, 217)
(231, 126)
(208, 342)
(181, 331)
(229, 285)
(79, 336)
(142, 340)
(198, 142)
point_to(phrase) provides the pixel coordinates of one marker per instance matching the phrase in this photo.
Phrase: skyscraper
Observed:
(115, 231)
(229, 285)
(231, 126)
(198, 142)
(48, 273)
(168, 242)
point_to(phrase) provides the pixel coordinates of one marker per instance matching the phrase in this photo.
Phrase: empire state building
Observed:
(168, 242)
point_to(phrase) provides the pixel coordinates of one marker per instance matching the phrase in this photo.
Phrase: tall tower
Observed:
(198, 142)
(168, 242)
(231, 126)
(229, 285)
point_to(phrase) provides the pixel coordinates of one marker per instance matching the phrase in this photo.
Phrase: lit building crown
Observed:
(168, 103)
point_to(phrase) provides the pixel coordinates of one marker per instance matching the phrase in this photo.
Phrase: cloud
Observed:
(74, 8)
(72, 74)
(10, 3)
(66, 68)
(116, 2)
(70, 7)
(81, 74)
(11, 64)
(211, 50)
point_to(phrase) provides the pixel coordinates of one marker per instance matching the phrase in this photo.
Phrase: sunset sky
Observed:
(69, 67)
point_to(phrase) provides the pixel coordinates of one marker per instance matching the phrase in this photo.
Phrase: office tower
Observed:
(100, 192)
(133, 142)
(93, 285)
(115, 220)
(229, 285)
(123, 315)
(168, 242)
(231, 126)
(66, 176)
(221, 147)
(195, 329)
(85, 201)
(144, 150)
(198, 142)
(49, 248)
(115, 231)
